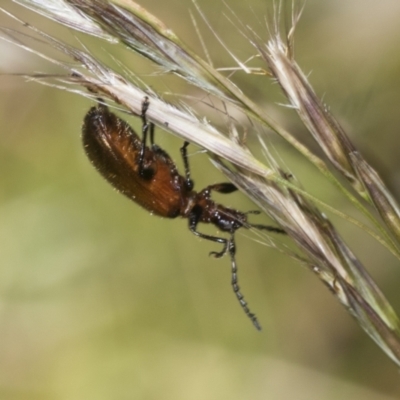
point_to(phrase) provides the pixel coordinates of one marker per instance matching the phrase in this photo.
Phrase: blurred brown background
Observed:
(100, 300)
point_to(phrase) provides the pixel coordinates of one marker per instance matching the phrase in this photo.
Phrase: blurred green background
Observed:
(100, 300)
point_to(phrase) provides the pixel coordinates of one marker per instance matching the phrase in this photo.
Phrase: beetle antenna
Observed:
(256, 212)
(235, 286)
(262, 227)
(268, 228)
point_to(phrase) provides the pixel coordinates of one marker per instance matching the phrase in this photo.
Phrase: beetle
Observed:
(149, 177)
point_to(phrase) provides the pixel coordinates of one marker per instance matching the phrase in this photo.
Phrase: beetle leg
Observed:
(193, 221)
(188, 182)
(152, 134)
(145, 129)
(224, 188)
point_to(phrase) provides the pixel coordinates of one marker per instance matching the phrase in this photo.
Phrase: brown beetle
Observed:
(149, 177)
